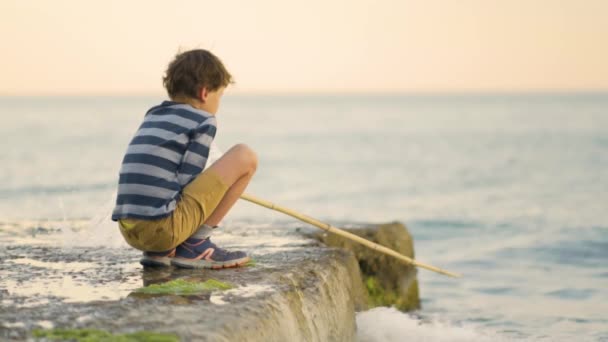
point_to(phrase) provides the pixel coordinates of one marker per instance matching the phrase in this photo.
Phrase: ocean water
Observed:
(509, 190)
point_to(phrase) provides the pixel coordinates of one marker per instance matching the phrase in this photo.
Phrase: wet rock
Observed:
(295, 291)
(388, 281)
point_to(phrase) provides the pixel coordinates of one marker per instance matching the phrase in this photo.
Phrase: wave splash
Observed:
(390, 325)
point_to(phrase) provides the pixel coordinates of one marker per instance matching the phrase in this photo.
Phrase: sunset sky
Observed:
(66, 47)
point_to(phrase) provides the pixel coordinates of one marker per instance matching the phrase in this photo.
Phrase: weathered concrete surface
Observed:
(296, 291)
(388, 281)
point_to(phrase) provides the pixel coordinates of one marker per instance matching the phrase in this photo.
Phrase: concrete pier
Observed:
(297, 290)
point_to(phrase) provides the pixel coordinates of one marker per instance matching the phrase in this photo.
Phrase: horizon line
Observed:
(480, 92)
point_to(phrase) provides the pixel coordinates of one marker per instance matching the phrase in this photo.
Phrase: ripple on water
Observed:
(496, 290)
(579, 253)
(572, 294)
(476, 264)
(430, 229)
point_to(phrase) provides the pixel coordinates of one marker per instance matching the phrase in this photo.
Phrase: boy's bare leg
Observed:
(236, 168)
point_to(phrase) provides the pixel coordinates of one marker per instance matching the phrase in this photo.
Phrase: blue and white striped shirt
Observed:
(168, 150)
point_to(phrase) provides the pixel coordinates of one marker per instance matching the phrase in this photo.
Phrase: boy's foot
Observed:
(157, 259)
(202, 253)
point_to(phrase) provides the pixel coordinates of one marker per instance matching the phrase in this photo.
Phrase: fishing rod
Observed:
(329, 228)
(215, 150)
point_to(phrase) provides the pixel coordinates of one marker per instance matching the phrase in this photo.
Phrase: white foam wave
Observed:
(390, 325)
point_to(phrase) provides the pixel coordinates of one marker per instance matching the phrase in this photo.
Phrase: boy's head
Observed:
(194, 74)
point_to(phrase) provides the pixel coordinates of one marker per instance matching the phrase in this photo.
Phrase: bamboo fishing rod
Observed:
(350, 236)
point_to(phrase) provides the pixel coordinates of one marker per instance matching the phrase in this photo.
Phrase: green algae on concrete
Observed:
(382, 296)
(94, 335)
(185, 287)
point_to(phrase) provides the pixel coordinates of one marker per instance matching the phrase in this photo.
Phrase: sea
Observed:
(510, 190)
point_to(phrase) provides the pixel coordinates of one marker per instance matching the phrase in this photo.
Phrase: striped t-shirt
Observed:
(168, 150)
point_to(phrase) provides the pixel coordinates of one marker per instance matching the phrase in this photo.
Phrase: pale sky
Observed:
(280, 46)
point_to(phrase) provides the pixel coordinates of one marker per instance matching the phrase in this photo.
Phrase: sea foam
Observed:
(390, 325)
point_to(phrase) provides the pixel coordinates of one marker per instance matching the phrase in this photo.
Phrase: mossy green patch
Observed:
(251, 263)
(91, 335)
(388, 281)
(379, 296)
(185, 287)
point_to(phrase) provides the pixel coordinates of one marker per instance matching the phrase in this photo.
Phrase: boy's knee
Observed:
(248, 157)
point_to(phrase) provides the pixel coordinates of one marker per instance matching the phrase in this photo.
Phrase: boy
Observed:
(166, 207)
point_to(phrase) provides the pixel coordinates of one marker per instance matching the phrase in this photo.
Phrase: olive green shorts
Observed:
(199, 199)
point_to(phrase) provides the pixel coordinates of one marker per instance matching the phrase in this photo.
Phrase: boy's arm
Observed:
(196, 156)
